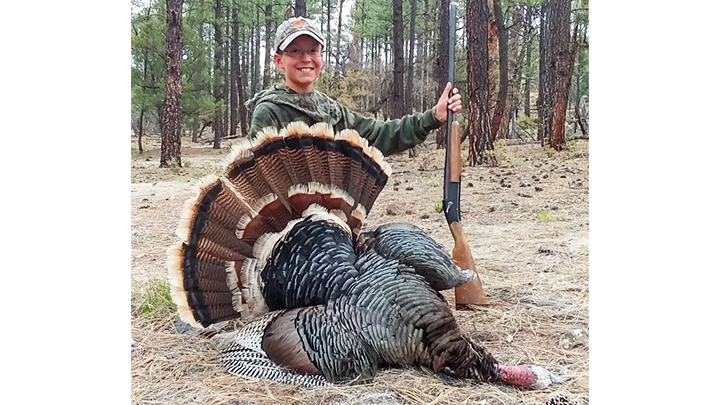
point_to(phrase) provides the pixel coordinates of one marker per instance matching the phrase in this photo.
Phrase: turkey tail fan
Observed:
(280, 174)
(268, 183)
(203, 268)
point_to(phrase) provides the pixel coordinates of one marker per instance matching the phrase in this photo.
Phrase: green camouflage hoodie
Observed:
(280, 105)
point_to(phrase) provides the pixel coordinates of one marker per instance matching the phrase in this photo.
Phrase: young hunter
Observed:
(298, 52)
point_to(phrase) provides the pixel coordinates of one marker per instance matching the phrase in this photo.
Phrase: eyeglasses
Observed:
(299, 53)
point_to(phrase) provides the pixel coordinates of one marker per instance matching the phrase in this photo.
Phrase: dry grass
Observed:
(535, 274)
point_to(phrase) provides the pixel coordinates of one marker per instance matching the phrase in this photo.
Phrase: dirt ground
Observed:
(528, 224)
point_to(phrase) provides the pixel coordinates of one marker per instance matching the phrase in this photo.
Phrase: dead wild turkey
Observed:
(280, 235)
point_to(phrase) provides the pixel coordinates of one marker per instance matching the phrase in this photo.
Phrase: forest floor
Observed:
(527, 221)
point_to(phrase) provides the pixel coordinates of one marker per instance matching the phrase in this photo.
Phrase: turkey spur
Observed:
(280, 236)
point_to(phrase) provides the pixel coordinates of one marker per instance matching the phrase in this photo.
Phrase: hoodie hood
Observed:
(315, 104)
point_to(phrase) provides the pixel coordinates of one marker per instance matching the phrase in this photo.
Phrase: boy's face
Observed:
(302, 69)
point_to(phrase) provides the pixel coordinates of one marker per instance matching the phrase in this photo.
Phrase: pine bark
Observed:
(218, 92)
(242, 82)
(172, 104)
(234, 68)
(563, 59)
(528, 56)
(397, 99)
(501, 106)
(337, 48)
(441, 69)
(477, 17)
(300, 8)
(547, 72)
(409, 92)
(269, 42)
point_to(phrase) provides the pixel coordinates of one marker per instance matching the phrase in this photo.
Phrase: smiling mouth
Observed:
(306, 69)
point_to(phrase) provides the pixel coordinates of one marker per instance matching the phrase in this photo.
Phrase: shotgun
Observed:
(471, 292)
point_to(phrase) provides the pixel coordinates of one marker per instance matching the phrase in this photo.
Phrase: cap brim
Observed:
(294, 35)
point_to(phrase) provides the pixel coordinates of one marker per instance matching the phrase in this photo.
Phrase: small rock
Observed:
(562, 176)
(574, 338)
(469, 184)
(538, 188)
(552, 207)
(491, 209)
(185, 328)
(545, 176)
(395, 189)
(425, 216)
(222, 340)
(524, 195)
(409, 188)
(394, 209)
(145, 200)
(143, 206)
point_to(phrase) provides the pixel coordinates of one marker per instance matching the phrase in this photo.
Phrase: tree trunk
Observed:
(327, 34)
(547, 73)
(563, 59)
(514, 80)
(172, 104)
(492, 60)
(269, 41)
(477, 17)
(257, 84)
(234, 68)
(140, 130)
(218, 77)
(242, 83)
(528, 56)
(226, 82)
(409, 93)
(500, 108)
(398, 109)
(339, 37)
(300, 8)
(442, 61)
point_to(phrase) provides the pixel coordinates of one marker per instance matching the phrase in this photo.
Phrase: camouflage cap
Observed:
(293, 28)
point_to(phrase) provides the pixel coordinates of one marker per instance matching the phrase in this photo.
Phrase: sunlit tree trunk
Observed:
(563, 58)
(172, 104)
(477, 15)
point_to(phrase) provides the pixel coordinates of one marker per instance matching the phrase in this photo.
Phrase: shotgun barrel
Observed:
(471, 292)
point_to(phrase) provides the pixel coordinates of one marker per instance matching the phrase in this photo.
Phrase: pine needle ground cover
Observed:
(528, 224)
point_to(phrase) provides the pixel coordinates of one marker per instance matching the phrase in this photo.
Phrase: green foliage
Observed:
(529, 124)
(544, 215)
(350, 90)
(431, 182)
(138, 237)
(155, 301)
(437, 205)
(548, 216)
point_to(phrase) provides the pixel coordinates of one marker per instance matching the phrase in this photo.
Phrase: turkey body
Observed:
(280, 237)
(359, 310)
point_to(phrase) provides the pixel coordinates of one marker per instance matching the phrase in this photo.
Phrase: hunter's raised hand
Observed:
(455, 103)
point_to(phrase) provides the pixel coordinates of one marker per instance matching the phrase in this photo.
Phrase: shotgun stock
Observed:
(471, 292)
